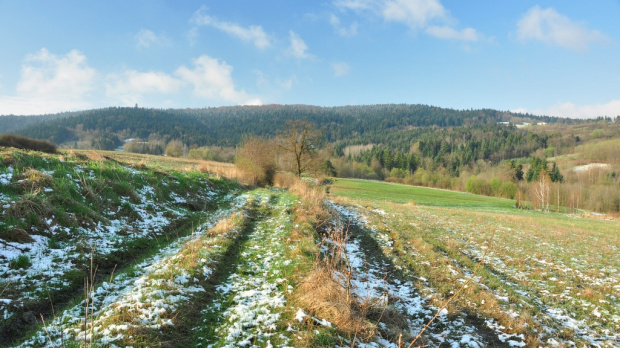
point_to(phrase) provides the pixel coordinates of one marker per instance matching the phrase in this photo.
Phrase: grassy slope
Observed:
(64, 215)
(184, 281)
(548, 277)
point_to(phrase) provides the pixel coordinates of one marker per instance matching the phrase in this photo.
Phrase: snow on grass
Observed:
(146, 296)
(587, 167)
(371, 284)
(53, 262)
(555, 282)
(248, 307)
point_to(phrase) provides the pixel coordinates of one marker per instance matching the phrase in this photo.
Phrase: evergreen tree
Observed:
(555, 174)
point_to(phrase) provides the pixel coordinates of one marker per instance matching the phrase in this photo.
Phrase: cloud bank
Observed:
(568, 109)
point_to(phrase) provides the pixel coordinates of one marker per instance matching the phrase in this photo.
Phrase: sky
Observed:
(559, 58)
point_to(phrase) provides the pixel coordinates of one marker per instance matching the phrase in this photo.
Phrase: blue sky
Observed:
(547, 57)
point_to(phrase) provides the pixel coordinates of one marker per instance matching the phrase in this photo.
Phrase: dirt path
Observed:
(377, 276)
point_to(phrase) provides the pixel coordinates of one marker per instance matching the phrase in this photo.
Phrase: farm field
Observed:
(528, 277)
(112, 250)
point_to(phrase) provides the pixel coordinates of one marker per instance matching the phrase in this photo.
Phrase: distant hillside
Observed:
(225, 126)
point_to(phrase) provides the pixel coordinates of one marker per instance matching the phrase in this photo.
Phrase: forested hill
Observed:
(225, 126)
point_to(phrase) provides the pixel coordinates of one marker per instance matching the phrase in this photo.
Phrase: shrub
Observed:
(21, 142)
(508, 189)
(256, 158)
(175, 148)
(495, 185)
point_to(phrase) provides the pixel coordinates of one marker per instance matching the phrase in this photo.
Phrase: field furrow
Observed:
(532, 278)
(380, 279)
(145, 297)
(250, 307)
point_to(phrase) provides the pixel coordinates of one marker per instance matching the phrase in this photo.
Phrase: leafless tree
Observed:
(300, 140)
(542, 188)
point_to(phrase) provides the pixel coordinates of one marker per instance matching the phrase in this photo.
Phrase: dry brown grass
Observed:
(21, 142)
(34, 180)
(30, 203)
(324, 297)
(223, 226)
(95, 156)
(224, 170)
(16, 235)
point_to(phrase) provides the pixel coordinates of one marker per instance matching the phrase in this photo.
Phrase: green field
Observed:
(380, 191)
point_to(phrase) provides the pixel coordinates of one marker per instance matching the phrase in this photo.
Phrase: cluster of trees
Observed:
(415, 144)
(226, 126)
(295, 149)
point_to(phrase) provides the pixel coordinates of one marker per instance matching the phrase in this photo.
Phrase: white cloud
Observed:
(550, 27)
(358, 5)
(51, 83)
(467, 34)
(340, 69)
(253, 33)
(145, 38)
(351, 30)
(568, 109)
(427, 15)
(298, 48)
(132, 85)
(211, 79)
(47, 75)
(415, 13)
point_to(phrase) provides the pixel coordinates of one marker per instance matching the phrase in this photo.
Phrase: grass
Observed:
(81, 203)
(377, 191)
(542, 268)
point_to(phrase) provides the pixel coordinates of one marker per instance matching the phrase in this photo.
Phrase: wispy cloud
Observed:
(414, 13)
(568, 109)
(253, 33)
(340, 69)
(146, 38)
(550, 27)
(298, 47)
(345, 31)
(427, 15)
(448, 33)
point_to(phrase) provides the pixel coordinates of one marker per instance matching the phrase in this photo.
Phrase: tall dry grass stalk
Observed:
(327, 291)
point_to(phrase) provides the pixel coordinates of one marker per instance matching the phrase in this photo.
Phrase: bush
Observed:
(175, 148)
(477, 186)
(20, 142)
(256, 158)
(508, 189)
(495, 185)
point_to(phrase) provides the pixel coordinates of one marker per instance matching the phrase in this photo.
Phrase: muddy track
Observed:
(181, 334)
(447, 329)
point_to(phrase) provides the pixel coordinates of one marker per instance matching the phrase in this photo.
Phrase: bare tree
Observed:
(300, 139)
(542, 189)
